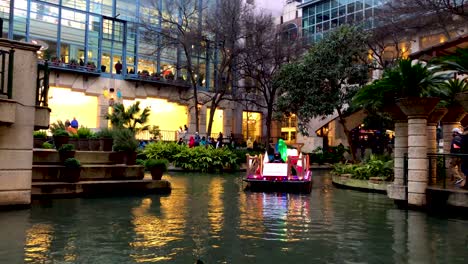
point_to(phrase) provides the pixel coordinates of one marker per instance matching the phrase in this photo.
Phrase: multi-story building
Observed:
(98, 55)
(403, 30)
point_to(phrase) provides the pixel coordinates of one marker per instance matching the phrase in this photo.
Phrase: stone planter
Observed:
(156, 173)
(70, 175)
(84, 144)
(74, 142)
(395, 112)
(436, 115)
(462, 98)
(455, 114)
(41, 118)
(417, 107)
(129, 158)
(94, 144)
(60, 140)
(38, 142)
(64, 155)
(106, 144)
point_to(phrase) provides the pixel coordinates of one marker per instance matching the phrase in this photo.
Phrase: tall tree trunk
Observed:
(348, 135)
(268, 121)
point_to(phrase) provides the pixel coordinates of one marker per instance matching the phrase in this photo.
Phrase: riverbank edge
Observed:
(360, 185)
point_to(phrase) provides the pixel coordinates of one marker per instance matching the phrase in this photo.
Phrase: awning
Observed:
(352, 120)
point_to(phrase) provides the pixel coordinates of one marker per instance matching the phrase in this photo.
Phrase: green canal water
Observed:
(211, 218)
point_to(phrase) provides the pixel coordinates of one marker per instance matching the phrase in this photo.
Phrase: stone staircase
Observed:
(102, 173)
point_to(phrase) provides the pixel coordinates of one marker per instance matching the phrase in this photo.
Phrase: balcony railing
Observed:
(6, 73)
(42, 84)
(156, 80)
(89, 69)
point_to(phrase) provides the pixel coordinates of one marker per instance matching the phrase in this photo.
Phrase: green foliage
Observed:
(194, 159)
(58, 125)
(60, 133)
(456, 62)
(332, 155)
(327, 77)
(156, 163)
(154, 131)
(72, 163)
(163, 150)
(47, 145)
(376, 166)
(40, 134)
(105, 133)
(74, 135)
(205, 159)
(66, 147)
(130, 118)
(84, 132)
(124, 140)
(448, 91)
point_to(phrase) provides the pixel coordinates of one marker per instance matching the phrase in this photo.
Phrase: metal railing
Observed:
(42, 84)
(6, 72)
(439, 164)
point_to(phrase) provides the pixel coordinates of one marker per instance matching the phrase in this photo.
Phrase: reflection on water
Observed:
(212, 218)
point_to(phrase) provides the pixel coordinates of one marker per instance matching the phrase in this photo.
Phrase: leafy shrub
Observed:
(66, 147)
(84, 132)
(156, 163)
(376, 166)
(105, 133)
(163, 150)
(60, 133)
(58, 125)
(47, 145)
(72, 163)
(40, 134)
(331, 155)
(124, 140)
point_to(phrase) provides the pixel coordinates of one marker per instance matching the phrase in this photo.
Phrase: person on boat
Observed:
(277, 158)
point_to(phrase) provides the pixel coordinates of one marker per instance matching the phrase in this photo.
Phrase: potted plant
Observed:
(71, 171)
(60, 137)
(94, 142)
(66, 151)
(125, 142)
(83, 134)
(74, 140)
(39, 138)
(106, 139)
(156, 167)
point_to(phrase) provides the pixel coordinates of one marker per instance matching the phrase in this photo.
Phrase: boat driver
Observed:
(277, 158)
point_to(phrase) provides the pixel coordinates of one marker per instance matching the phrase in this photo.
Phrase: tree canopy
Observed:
(327, 77)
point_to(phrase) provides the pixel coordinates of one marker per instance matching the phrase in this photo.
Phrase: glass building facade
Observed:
(318, 17)
(99, 32)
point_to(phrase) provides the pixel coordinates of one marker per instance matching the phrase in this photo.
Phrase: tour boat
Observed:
(292, 175)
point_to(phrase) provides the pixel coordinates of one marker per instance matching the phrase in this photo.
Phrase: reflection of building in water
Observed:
(157, 222)
(38, 243)
(216, 206)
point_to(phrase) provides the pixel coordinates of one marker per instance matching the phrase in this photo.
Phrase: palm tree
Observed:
(448, 91)
(457, 62)
(130, 118)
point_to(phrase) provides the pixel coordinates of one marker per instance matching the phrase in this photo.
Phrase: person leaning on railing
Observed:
(464, 163)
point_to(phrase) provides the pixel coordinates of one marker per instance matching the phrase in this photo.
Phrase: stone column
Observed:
(397, 190)
(17, 126)
(417, 110)
(432, 147)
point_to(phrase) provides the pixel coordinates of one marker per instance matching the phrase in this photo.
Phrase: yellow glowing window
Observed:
(218, 121)
(251, 124)
(66, 104)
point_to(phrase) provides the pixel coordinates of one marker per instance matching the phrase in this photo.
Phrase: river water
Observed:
(211, 218)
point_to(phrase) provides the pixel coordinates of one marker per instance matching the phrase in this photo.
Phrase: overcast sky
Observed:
(276, 6)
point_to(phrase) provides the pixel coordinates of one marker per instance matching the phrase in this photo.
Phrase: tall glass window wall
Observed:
(321, 16)
(101, 32)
